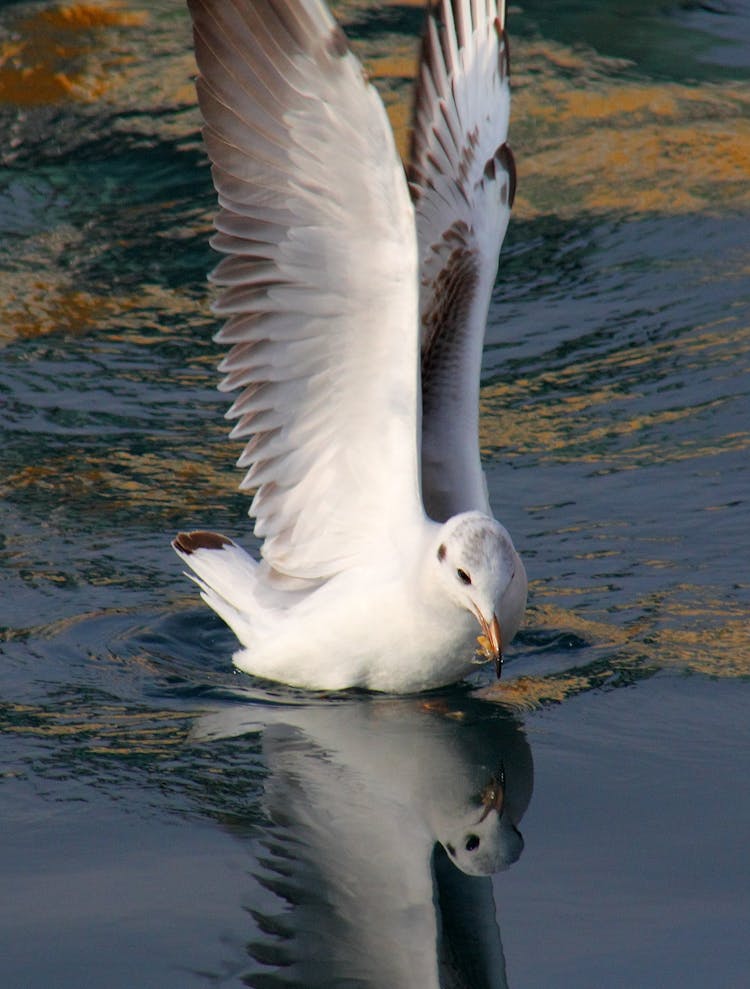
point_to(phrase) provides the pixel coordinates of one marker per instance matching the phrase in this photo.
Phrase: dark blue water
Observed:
(170, 823)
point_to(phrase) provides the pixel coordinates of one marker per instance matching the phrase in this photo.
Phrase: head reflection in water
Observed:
(481, 846)
(387, 818)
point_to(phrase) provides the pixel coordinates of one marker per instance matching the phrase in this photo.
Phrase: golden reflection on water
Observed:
(107, 730)
(62, 53)
(586, 136)
(117, 480)
(38, 303)
(684, 628)
(585, 139)
(529, 693)
(35, 308)
(574, 427)
(589, 139)
(588, 142)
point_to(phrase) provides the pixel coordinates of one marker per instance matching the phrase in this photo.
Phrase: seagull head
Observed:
(481, 571)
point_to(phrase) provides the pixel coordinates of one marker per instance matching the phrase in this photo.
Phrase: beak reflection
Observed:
(493, 795)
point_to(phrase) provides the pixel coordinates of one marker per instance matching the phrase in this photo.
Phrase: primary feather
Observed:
(319, 282)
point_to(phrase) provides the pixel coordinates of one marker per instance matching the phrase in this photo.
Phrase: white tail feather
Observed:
(227, 577)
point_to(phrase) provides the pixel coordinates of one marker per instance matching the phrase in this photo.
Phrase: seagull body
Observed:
(356, 300)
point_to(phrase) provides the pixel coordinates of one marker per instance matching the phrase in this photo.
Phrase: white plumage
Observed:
(355, 314)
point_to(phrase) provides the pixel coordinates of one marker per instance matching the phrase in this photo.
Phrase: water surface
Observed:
(171, 823)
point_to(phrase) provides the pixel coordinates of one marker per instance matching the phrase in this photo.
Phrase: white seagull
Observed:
(356, 299)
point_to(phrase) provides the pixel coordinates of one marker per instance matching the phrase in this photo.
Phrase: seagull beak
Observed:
(493, 636)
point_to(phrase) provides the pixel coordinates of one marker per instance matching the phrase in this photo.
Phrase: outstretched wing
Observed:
(320, 282)
(462, 179)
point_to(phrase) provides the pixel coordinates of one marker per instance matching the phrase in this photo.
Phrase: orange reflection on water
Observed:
(84, 15)
(528, 693)
(42, 308)
(563, 415)
(685, 627)
(106, 728)
(110, 481)
(40, 298)
(47, 61)
(588, 139)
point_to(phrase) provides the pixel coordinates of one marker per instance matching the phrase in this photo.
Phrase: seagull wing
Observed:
(462, 180)
(320, 285)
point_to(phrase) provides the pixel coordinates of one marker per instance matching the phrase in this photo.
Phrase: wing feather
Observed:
(462, 180)
(319, 283)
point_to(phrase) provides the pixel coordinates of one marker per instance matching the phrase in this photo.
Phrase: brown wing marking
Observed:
(189, 542)
(504, 158)
(452, 297)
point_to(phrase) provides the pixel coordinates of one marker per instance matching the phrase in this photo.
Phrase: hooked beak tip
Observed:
(494, 636)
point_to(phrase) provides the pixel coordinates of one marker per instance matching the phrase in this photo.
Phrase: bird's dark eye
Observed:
(463, 576)
(441, 552)
(472, 842)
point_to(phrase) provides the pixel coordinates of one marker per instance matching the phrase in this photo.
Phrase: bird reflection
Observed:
(386, 819)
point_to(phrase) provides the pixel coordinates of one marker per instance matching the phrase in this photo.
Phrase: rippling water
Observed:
(170, 823)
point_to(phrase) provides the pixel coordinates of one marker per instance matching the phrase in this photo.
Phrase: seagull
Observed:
(355, 293)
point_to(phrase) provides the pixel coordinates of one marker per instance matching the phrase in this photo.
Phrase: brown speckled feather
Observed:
(462, 180)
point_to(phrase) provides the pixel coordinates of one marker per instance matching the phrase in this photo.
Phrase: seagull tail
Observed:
(226, 575)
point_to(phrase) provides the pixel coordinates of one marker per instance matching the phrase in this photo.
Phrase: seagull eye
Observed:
(463, 576)
(472, 842)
